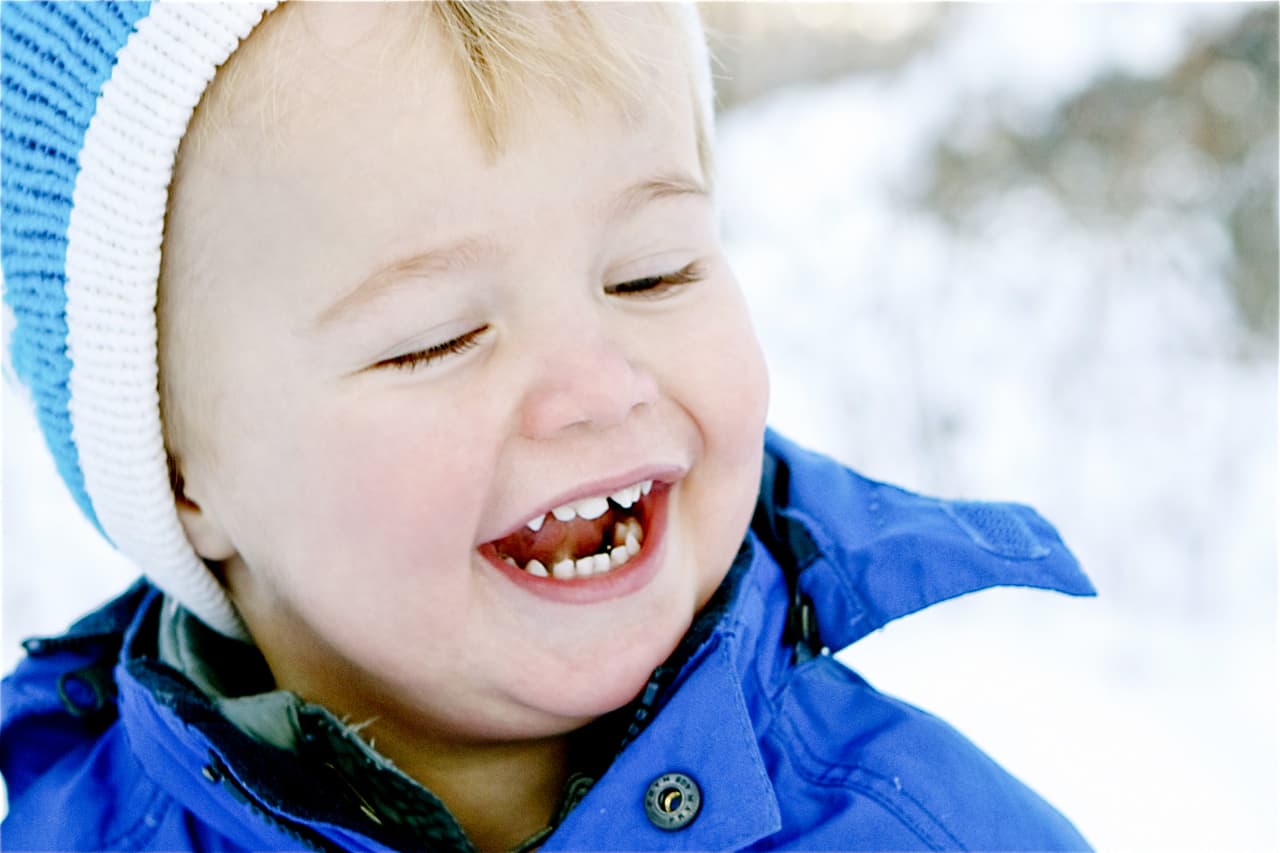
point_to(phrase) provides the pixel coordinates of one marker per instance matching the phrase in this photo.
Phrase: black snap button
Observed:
(211, 772)
(672, 801)
(85, 692)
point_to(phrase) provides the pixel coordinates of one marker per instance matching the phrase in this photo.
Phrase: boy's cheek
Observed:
(724, 386)
(404, 483)
(733, 377)
(338, 486)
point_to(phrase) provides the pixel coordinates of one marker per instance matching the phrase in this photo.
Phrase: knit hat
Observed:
(96, 99)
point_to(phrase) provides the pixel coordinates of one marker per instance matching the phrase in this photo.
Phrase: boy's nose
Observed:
(587, 383)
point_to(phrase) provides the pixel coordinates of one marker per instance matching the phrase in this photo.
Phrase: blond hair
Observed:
(501, 52)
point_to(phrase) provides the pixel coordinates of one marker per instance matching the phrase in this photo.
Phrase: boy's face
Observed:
(361, 493)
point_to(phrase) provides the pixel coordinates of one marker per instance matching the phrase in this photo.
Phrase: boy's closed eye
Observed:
(424, 357)
(658, 285)
(650, 287)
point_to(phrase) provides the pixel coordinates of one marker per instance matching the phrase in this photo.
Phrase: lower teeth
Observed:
(630, 533)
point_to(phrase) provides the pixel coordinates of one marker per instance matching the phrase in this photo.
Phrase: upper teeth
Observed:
(594, 507)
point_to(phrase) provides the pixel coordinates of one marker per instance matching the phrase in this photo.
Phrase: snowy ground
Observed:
(1090, 374)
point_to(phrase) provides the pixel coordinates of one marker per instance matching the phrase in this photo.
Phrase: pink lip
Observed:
(624, 580)
(658, 473)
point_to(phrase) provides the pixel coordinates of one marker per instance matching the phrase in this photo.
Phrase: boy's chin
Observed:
(574, 699)
(551, 714)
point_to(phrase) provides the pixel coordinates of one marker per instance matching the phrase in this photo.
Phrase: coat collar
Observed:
(862, 553)
(867, 553)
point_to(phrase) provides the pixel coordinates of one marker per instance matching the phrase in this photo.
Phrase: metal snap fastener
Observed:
(672, 801)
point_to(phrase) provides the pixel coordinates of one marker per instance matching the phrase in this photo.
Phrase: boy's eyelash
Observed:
(420, 358)
(658, 284)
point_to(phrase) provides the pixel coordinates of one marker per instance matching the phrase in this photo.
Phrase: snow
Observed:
(1091, 371)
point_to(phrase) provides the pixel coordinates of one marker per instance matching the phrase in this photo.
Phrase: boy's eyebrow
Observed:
(464, 252)
(664, 185)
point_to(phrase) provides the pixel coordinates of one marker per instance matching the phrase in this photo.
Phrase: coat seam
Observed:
(803, 760)
(139, 832)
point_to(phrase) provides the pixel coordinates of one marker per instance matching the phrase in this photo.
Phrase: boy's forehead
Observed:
(308, 66)
(336, 118)
(306, 62)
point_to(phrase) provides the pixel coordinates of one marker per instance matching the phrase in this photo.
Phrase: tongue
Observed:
(558, 540)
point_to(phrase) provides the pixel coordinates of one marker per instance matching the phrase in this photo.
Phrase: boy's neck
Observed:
(499, 793)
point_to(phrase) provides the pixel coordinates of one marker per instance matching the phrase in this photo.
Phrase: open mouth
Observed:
(582, 539)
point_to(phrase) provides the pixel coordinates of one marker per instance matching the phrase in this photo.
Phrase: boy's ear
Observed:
(203, 531)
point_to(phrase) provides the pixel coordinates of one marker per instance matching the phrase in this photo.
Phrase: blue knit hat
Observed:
(96, 99)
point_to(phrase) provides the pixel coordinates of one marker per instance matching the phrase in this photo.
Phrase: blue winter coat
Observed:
(103, 747)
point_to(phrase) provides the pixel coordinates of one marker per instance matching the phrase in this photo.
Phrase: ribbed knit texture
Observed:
(56, 56)
(96, 99)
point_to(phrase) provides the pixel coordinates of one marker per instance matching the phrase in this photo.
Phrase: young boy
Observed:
(402, 357)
